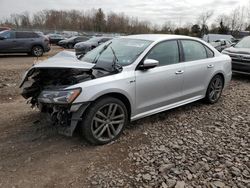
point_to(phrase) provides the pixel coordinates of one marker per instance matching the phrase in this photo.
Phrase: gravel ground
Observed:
(196, 145)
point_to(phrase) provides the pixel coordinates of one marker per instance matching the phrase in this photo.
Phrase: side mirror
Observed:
(149, 64)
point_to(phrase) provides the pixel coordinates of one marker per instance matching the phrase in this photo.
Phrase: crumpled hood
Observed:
(64, 59)
(238, 50)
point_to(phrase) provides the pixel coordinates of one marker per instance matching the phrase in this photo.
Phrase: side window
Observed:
(35, 35)
(193, 50)
(165, 52)
(20, 35)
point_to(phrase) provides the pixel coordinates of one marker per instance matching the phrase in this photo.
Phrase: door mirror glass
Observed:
(149, 64)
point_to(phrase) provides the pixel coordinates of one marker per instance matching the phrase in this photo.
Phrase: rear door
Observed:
(199, 68)
(162, 85)
(24, 41)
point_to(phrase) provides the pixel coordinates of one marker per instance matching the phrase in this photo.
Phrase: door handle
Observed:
(210, 66)
(179, 72)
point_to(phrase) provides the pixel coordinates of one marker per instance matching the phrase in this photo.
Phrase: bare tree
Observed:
(168, 27)
(203, 20)
(238, 19)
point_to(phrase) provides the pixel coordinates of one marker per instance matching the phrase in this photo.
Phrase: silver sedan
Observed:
(126, 79)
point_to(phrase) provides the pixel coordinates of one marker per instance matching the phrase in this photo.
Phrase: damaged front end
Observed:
(45, 86)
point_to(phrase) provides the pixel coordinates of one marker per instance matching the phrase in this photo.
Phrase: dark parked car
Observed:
(240, 54)
(23, 42)
(55, 38)
(83, 47)
(70, 42)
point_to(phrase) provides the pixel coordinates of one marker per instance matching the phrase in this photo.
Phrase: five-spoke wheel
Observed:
(214, 89)
(104, 120)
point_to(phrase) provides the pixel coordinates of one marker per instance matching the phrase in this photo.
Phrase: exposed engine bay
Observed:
(65, 116)
(57, 78)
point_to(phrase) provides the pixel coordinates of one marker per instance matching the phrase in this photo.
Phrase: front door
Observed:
(162, 85)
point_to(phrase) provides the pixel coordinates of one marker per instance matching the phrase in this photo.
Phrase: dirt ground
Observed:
(32, 154)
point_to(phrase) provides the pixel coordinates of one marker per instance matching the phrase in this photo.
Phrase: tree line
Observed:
(74, 20)
(96, 20)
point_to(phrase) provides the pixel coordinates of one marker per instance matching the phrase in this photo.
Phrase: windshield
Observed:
(126, 50)
(244, 43)
(5, 34)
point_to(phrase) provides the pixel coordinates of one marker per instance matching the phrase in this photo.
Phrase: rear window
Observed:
(26, 35)
(193, 50)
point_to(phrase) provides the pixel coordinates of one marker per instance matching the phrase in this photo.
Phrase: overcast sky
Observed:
(155, 11)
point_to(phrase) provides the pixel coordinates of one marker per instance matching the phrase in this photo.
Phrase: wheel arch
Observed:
(33, 45)
(223, 77)
(220, 74)
(119, 96)
(116, 95)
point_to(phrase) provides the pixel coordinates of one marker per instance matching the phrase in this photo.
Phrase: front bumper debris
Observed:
(64, 117)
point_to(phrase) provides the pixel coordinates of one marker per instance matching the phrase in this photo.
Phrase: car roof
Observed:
(157, 37)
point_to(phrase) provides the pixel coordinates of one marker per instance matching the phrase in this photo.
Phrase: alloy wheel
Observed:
(215, 89)
(108, 122)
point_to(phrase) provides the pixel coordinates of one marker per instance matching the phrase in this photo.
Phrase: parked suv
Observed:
(123, 80)
(240, 54)
(23, 42)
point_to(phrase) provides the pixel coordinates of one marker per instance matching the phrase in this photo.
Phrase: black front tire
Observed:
(37, 51)
(214, 89)
(100, 124)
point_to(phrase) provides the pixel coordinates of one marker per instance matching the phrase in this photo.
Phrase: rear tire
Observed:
(104, 121)
(214, 89)
(37, 51)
